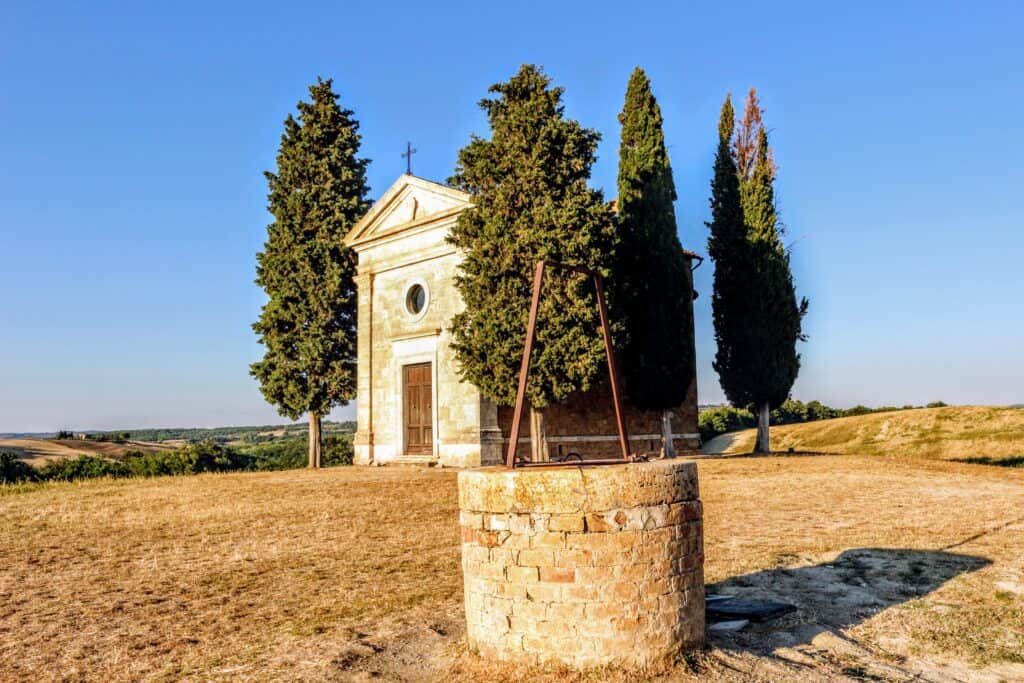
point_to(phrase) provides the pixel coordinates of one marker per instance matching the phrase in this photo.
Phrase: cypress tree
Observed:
(308, 325)
(652, 280)
(531, 201)
(756, 314)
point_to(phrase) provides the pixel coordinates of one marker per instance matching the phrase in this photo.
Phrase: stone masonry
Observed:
(584, 566)
(402, 244)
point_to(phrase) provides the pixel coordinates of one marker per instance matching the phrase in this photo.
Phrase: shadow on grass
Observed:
(859, 584)
(774, 454)
(1017, 461)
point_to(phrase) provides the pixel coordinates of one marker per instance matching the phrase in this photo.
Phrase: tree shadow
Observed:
(831, 597)
(791, 453)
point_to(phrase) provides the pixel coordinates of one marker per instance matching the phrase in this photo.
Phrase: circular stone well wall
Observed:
(587, 566)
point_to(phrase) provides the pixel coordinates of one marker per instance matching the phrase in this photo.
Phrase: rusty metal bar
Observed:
(613, 371)
(573, 463)
(524, 370)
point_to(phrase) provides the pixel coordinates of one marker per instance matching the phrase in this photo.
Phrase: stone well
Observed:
(586, 566)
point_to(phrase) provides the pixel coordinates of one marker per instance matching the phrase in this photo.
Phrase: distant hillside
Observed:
(950, 433)
(250, 434)
(44, 450)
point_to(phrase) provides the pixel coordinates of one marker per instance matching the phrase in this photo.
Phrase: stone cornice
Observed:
(362, 233)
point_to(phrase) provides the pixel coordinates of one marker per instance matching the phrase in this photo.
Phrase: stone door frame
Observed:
(411, 351)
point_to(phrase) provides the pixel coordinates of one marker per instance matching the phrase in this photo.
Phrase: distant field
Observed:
(950, 433)
(39, 451)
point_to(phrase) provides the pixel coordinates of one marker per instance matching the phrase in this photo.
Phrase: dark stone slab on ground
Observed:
(754, 610)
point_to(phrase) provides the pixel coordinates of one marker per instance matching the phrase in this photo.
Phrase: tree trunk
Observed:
(762, 429)
(538, 437)
(668, 443)
(314, 440)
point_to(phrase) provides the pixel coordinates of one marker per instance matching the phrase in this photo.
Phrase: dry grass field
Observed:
(946, 433)
(902, 569)
(39, 451)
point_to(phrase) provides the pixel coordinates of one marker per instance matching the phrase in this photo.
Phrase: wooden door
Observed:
(418, 395)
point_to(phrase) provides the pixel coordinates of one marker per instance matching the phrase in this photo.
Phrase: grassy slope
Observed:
(944, 433)
(355, 571)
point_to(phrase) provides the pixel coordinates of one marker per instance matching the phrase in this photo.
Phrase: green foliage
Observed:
(789, 412)
(308, 326)
(14, 471)
(82, 467)
(652, 282)
(721, 419)
(727, 247)
(816, 410)
(856, 410)
(531, 201)
(937, 404)
(715, 420)
(249, 434)
(286, 454)
(756, 315)
(109, 437)
(206, 456)
(64, 434)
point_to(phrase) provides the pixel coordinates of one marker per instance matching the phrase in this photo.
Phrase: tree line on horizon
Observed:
(194, 458)
(532, 201)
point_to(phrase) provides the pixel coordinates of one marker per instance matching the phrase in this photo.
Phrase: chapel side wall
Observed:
(400, 339)
(592, 413)
(363, 442)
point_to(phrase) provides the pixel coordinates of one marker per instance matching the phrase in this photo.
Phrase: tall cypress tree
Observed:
(756, 314)
(652, 280)
(531, 201)
(308, 326)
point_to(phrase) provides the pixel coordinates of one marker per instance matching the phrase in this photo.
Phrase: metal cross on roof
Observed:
(407, 155)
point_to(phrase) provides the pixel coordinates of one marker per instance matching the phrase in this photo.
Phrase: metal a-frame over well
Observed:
(531, 329)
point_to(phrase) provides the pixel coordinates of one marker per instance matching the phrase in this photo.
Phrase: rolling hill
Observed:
(40, 451)
(950, 433)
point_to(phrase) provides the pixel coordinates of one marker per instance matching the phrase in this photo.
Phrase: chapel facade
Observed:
(412, 405)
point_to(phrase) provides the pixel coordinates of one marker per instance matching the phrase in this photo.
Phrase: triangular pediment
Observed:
(410, 202)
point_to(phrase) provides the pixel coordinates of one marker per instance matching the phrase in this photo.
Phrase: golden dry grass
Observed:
(353, 573)
(945, 433)
(43, 450)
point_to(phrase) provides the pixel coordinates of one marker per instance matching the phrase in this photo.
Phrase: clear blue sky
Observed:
(132, 201)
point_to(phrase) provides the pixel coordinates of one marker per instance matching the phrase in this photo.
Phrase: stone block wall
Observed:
(592, 414)
(390, 337)
(583, 566)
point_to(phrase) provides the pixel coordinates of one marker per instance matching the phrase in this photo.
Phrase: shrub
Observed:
(789, 412)
(714, 421)
(289, 454)
(720, 419)
(816, 410)
(82, 467)
(205, 456)
(14, 470)
(937, 404)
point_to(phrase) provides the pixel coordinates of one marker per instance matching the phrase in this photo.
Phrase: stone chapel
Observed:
(412, 406)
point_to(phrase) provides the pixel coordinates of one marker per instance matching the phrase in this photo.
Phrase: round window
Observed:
(416, 299)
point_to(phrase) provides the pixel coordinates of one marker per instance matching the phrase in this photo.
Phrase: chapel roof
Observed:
(410, 202)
